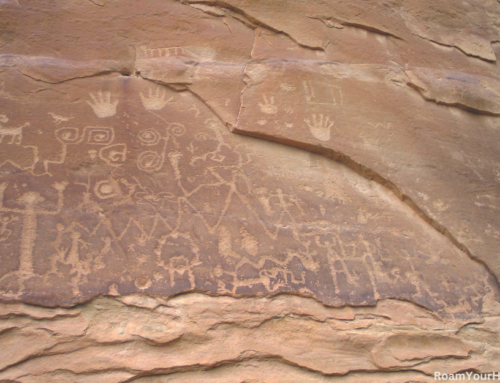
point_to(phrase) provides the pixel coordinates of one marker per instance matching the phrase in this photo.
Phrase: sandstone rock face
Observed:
(249, 191)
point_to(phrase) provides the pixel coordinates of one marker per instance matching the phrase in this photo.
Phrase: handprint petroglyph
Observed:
(320, 126)
(268, 106)
(155, 99)
(102, 104)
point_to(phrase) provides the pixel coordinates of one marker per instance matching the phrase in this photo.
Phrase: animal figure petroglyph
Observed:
(102, 104)
(58, 119)
(15, 133)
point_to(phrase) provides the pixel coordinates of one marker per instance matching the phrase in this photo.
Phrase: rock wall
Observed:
(249, 191)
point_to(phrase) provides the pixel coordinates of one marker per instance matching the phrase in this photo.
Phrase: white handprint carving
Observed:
(155, 100)
(102, 105)
(320, 126)
(268, 106)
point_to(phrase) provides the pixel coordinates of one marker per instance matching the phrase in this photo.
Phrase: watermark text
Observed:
(467, 376)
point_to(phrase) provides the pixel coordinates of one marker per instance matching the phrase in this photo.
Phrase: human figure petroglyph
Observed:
(73, 255)
(16, 134)
(196, 110)
(319, 126)
(268, 106)
(180, 265)
(155, 99)
(102, 105)
(225, 246)
(30, 201)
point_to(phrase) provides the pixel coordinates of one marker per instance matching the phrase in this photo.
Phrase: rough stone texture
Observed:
(194, 337)
(318, 180)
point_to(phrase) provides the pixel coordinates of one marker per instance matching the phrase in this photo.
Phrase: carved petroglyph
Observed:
(96, 135)
(196, 110)
(287, 87)
(16, 134)
(5, 221)
(99, 135)
(105, 190)
(268, 106)
(114, 155)
(149, 137)
(146, 52)
(152, 160)
(30, 201)
(68, 135)
(79, 267)
(102, 105)
(248, 242)
(320, 126)
(199, 208)
(58, 119)
(318, 93)
(155, 99)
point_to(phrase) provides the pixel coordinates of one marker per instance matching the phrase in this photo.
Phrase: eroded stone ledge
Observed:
(195, 336)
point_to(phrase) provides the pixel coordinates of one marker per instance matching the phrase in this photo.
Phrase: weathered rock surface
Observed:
(194, 337)
(319, 180)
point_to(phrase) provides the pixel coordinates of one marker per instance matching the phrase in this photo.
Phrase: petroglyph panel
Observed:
(369, 118)
(187, 175)
(164, 199)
